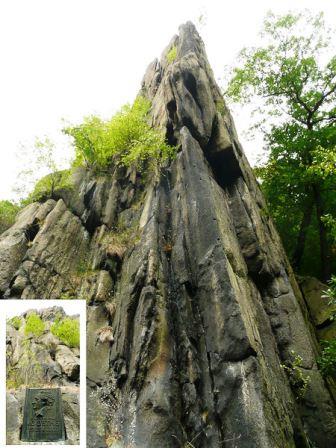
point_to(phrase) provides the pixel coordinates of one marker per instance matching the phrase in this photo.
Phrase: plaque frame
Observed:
(32, 415)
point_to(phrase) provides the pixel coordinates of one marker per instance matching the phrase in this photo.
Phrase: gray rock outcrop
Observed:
(39, 359)
(193, 308)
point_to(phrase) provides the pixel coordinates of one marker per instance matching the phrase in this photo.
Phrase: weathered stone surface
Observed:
(313, 291)
(68, 361)
(38, 360)
(97, 352)
(203, 307)
(43, 269)
(14, 242)
(104, 286)
(71, 416)
(98, 412)
(13, 412)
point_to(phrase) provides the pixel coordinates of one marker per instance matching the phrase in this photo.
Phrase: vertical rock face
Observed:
(193, 307)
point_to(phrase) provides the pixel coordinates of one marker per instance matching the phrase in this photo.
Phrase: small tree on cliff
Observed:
(293, 78)
(40, 160)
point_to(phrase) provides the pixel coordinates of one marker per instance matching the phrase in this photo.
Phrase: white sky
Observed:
(17, 307)
(71, 58)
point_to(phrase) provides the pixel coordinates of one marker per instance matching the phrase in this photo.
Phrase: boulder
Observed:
(314, 293)
(68, 361)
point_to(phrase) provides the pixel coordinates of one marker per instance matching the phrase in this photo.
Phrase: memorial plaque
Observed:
(43, 419)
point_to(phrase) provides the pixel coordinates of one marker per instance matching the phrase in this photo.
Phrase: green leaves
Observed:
(49, 185)
(34, 325)
(126, 139)
(42, 175)
(327, 361)
(67, 330)
(8, 212)
(172, 54)
(291, 77)
(288, 71)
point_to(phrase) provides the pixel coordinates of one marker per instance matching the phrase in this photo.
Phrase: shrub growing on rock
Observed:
(298, 380)
(330, 294)
(172, 54)
(34, 325)
(49, 185)
(126, 139)
(327, 361)
(67, 330)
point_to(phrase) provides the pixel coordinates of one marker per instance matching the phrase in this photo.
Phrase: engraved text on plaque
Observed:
(43, 419)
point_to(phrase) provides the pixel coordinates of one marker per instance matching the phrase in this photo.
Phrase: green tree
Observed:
(126, 139)
(41, 158)
(292, 77)
(8, 212)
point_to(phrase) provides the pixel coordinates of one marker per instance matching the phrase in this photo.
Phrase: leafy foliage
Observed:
(41, 160)
(327, 361)
(172, 54)
(49, 185)
(330, 294)
(297, 379)
(67, 330)
(8, 212)
(126, 139)
(292, 78)
(34, 325)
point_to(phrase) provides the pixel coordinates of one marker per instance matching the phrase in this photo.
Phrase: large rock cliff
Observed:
(193, 309)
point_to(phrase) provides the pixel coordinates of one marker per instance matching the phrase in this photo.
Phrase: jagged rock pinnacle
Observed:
(202, 301)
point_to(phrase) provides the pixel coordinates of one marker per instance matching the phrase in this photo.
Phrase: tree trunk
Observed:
(301, 239)
(324, 252)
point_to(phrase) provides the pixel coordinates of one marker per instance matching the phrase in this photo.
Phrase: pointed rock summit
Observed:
(193, 308)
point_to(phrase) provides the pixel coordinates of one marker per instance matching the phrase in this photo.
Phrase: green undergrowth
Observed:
(50, 186)
(172, 54)
(34, 325)
(327, 360)
(8, 213)
(297, 379)
(67, 330)
(117, 242)
(330, 295)
(220, 107)
(127, 139)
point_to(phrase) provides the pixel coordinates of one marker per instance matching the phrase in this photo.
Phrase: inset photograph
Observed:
(42, 375)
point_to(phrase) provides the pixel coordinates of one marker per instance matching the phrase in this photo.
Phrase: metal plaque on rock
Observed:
(43, 419)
